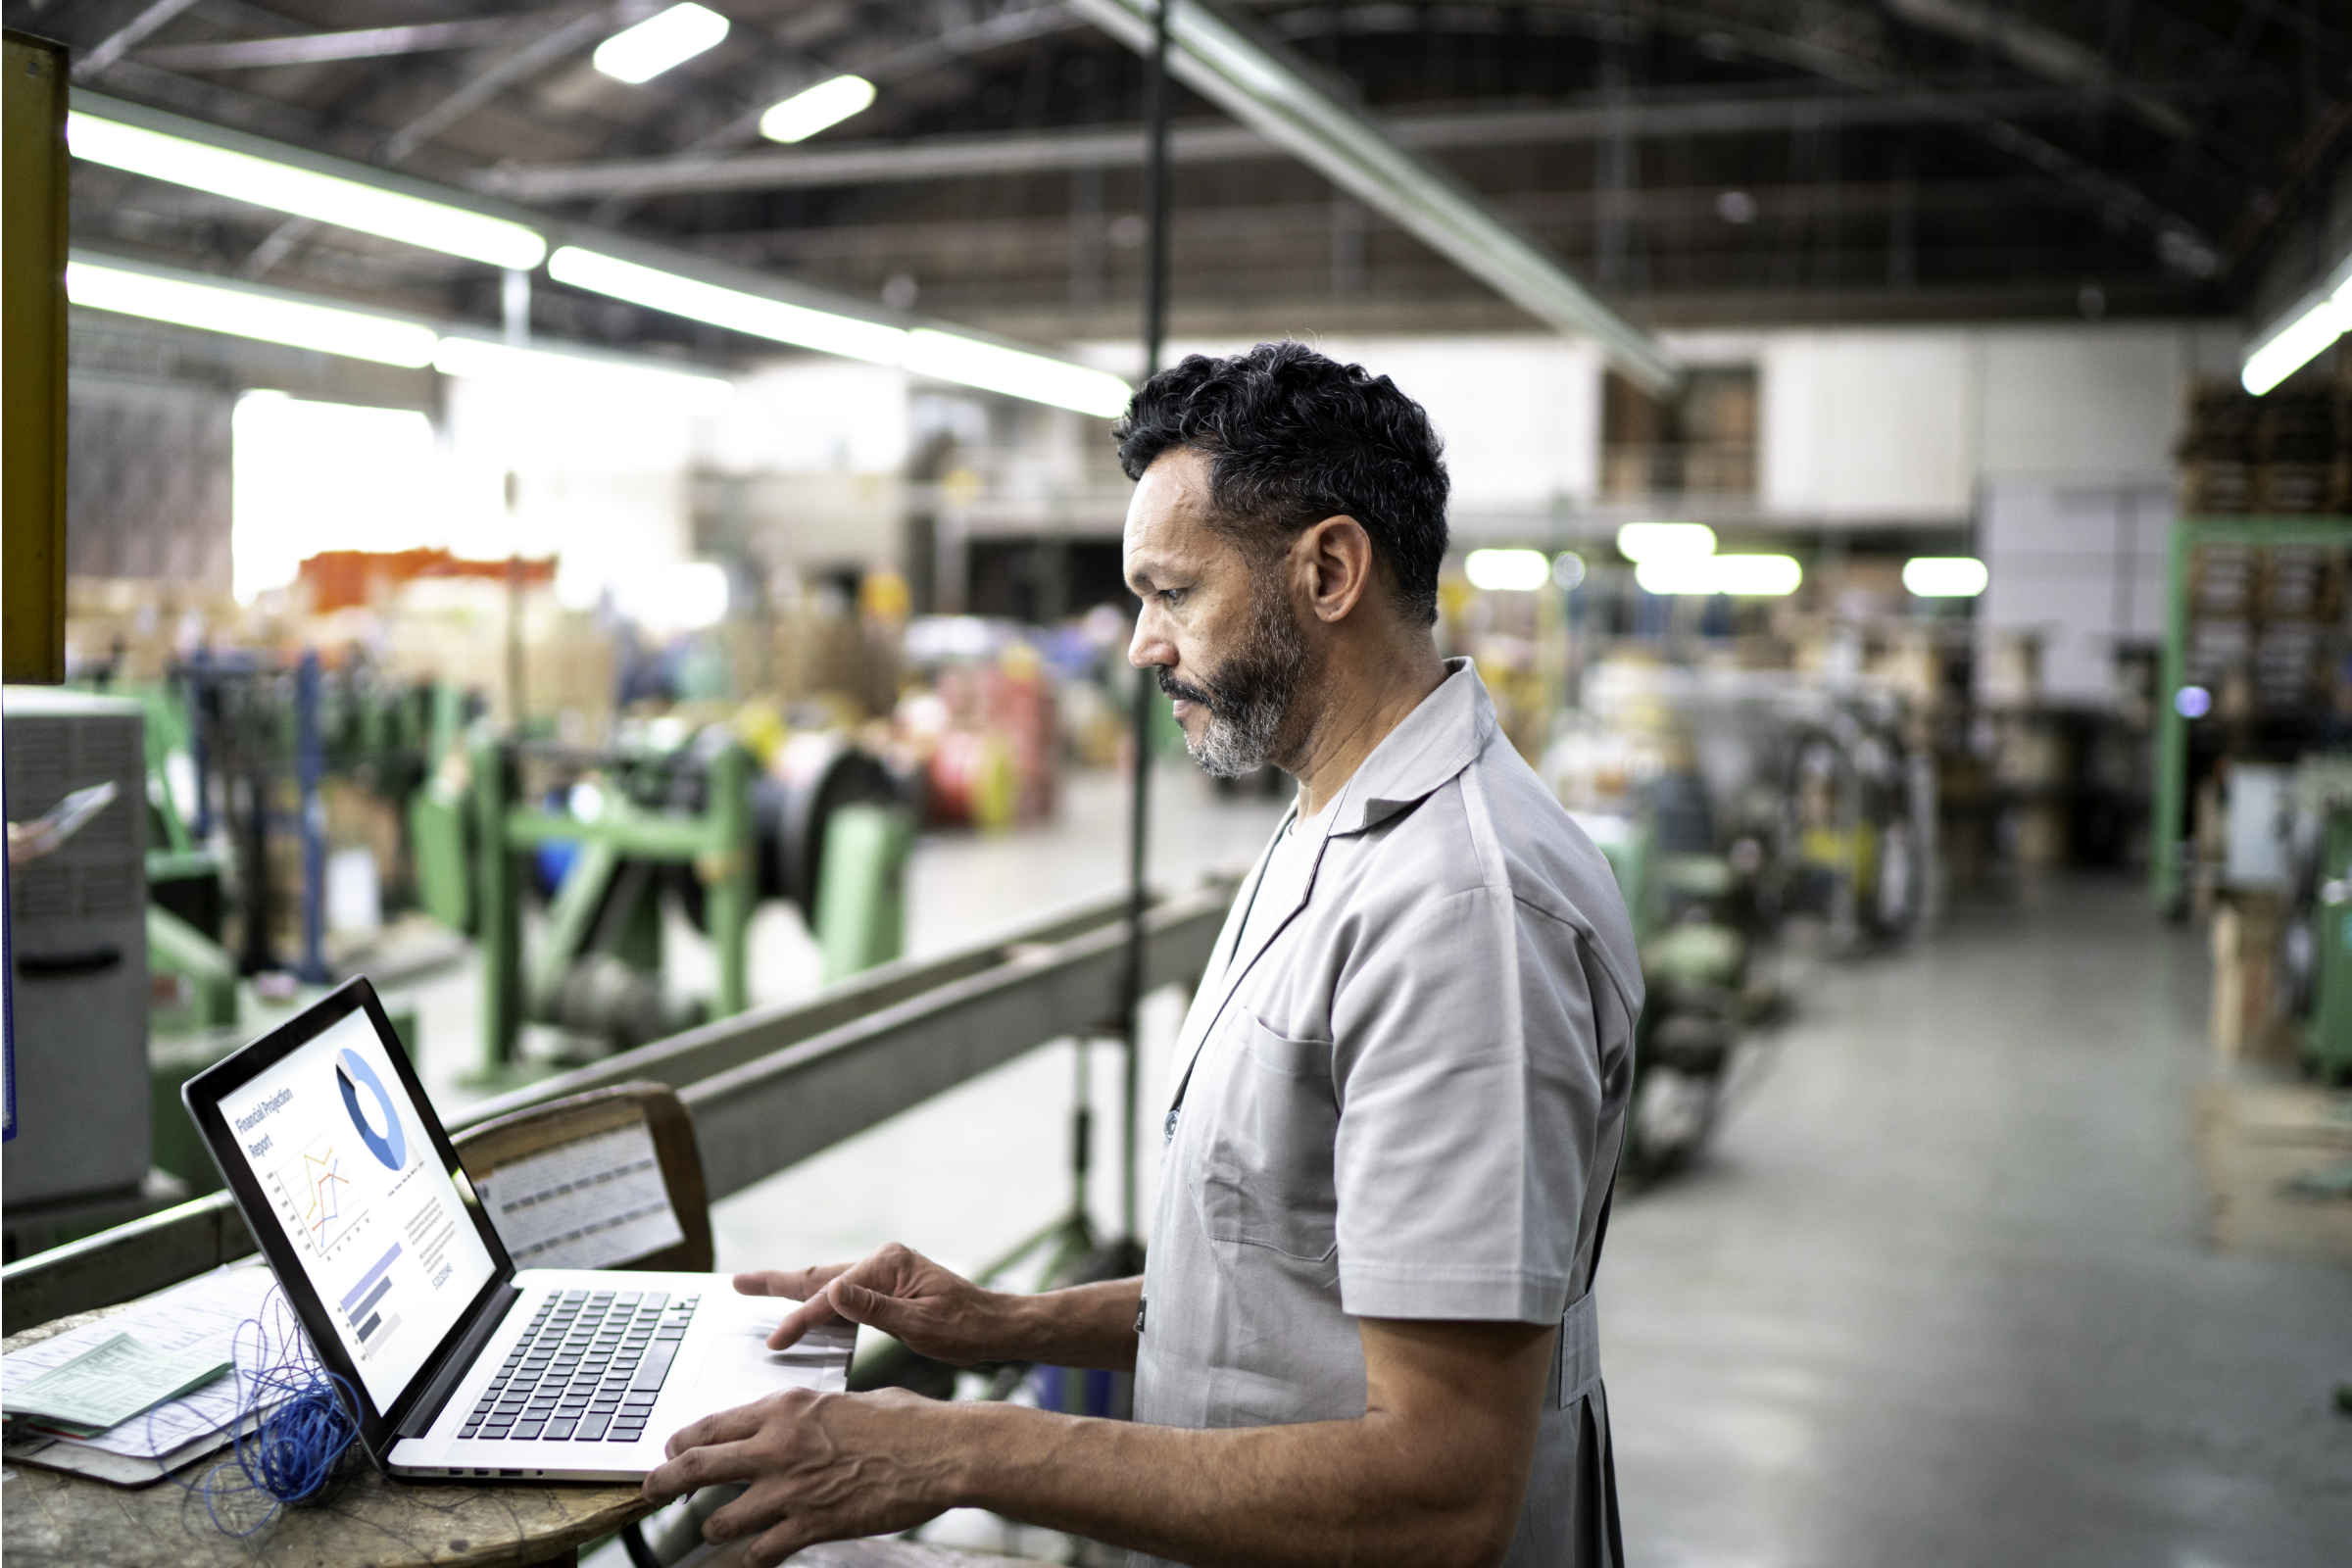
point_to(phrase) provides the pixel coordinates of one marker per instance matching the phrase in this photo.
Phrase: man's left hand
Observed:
(820, 1467)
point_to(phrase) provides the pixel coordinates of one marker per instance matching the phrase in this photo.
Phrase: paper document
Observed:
(107, 1386)
(199, 1318)
(589, 1203)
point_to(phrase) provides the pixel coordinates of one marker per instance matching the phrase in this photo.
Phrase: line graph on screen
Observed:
(319, 1194)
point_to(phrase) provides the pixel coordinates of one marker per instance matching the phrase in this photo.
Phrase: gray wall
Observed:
(147, 489)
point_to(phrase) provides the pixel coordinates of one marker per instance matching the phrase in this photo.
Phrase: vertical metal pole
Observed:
(515, 707)
(196, 679)
(498, 906)
(1156, 327)
(515, 307)
(1082, 1139)
(2166, 827)
(310, 765)
(1156, 195)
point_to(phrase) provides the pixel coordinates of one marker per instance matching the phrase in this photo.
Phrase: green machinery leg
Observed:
(861, 898)
(177, 948)
(729, 876)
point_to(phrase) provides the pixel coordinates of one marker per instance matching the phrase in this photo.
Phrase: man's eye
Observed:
(1171, 596)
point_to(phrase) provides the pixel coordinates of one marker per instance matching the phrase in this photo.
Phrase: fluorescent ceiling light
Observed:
(306, 193)
(729, 307)
(672, 38)
(2295, 344)
(1744, 575)
(946, 355)
(1665, 541)
(1946, 577)
(1507, 570)
(1016, 373)
(556, 373)
(249, 312)
(812, 109)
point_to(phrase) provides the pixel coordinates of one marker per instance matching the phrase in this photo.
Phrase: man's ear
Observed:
(1338, 563)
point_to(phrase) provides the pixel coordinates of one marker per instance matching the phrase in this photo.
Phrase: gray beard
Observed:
(1250, 696)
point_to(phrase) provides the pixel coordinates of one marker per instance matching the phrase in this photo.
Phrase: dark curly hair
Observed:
(1294, 438)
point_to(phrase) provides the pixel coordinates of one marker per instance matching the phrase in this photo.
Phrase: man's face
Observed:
(1218, 626)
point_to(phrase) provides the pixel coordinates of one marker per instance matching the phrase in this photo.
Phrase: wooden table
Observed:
(365, 1520)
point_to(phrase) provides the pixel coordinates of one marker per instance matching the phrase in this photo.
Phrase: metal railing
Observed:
(767, 1088)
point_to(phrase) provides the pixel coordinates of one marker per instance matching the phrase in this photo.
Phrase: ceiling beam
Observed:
(2043, 51)
(366, 43)
(115, 45)
(1043, 152)
(1842, 42)
(1045, 240)
(562, 39)
(1232, 62)
(890, 61)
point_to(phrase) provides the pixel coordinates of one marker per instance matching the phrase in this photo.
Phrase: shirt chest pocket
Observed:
(1267, 1142)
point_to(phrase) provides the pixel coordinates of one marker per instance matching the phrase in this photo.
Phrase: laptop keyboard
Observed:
(587, 1370)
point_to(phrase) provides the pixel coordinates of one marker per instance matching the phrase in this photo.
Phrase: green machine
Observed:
(631, 824)
(1694, 970)
(608, 834)
(2316, 936)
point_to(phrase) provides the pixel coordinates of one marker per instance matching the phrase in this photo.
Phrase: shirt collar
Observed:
(1436, 741)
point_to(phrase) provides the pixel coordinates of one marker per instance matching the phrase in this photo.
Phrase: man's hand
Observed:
(904, 1293)
(820, 1467)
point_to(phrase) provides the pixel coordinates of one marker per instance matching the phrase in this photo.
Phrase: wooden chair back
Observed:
(543, 1129)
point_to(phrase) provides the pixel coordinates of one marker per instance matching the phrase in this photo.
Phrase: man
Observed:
(1364, 1333)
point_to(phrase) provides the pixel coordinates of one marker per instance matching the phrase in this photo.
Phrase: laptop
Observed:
(462, 1366)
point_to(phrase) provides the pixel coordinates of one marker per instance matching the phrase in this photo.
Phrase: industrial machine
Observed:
(1692, 912)
(606, 835)
(78, 945)
(1857, 824)
(2316, 936)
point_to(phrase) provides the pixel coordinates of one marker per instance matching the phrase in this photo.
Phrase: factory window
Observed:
(313, 476)
(1045, 580)
(1700, 443)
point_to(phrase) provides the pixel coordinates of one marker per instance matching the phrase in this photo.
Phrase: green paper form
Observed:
(107, 1386)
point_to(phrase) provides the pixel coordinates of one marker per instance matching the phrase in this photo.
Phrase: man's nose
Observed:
(1148, 647)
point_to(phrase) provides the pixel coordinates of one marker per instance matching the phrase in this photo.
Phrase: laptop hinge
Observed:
(459, 1360)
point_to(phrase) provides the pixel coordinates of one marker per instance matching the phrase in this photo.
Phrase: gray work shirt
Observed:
(1403, 1094)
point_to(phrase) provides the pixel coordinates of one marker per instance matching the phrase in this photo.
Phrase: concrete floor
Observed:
(1940, 1294)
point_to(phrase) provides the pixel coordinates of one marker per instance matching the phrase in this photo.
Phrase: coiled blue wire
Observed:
(304, 1426)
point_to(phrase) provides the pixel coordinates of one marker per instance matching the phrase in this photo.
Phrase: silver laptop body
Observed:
(459, 1365)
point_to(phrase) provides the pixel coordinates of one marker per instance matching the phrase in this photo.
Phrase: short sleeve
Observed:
(1468, 1073)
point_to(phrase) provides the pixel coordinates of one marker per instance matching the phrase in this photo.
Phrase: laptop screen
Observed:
(342, 1155)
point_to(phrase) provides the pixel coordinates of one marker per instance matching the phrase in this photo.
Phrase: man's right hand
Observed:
(902, 1293)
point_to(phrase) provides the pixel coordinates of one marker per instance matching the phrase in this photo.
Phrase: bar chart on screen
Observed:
(371, 1321)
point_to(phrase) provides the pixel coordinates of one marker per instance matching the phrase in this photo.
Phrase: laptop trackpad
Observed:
(739, 1362)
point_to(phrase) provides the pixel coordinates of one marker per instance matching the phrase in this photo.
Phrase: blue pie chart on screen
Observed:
(392, 1144)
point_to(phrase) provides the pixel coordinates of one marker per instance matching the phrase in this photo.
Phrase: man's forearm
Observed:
(1083, 1326)
(1328, 1492)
